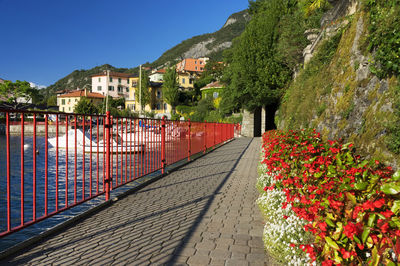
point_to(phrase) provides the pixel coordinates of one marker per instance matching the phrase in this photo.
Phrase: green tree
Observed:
(170, 88)
(256, 72)
(52, 100)
(86, 106)
(142, 92)
(17, 94)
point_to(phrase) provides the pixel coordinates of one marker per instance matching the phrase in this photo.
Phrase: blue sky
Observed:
(42, 41)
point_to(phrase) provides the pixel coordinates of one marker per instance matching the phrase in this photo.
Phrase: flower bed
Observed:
(324, 204)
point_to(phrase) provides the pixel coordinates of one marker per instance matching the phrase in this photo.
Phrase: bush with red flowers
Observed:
(352, 205)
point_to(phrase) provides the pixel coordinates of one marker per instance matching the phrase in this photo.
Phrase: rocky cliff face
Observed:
(342, 98)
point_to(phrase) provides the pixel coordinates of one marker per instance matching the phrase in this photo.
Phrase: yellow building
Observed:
(186, 80)
(157, 105)
(66, 102)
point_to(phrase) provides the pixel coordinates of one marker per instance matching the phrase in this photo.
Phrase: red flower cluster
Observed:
(338, 193)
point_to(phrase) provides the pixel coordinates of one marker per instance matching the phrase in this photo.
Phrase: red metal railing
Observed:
(69, 159)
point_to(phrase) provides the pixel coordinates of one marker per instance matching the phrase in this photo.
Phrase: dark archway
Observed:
(257, 122)
(270, 111)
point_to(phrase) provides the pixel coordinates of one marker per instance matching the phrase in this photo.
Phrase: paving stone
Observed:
(199, 260)
(236, 262)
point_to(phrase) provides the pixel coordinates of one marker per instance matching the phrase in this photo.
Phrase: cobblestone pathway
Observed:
(202, 214)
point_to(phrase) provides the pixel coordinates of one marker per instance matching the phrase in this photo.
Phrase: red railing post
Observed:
(108, 143)
(163, 145)
(8, 172)
(189, 140)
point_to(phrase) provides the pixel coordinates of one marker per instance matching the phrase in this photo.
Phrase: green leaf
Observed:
(331, 243)
(391, 188)
(329, 222)
(396, 207)
(365, 234)
(361, 185)
(351, 197)
(371, 220)
(357, 240)
(391, 263)
(363, 163)
(396, 176)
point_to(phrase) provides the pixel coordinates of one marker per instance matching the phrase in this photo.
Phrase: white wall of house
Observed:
(156, 77)
(115, 86)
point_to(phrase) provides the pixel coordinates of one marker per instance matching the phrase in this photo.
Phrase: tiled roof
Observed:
(215, 84)
(191, 64)
(162, 71)
(113, 74)
(81, 93)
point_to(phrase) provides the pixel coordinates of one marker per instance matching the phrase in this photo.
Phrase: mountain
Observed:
(211, 45)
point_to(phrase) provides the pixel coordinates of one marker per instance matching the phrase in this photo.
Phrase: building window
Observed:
(190, 81)
(201, 68)
(99, 79)
(158, 106)
(165, 107)
(111, 88)
(63, 109)
(63, 102)
(127, 89)
(120, 89)
(69, 108)
(183, 80)
(119, 80)
(110, 79)
(195, 68)
(195, 62)
(76, 100)
(69, 100)
(215, 94)
(134, 84)
(99, 88)
(127, 81)
(158, 94)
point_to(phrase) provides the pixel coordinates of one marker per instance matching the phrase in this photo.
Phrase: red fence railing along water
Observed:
(53, 165)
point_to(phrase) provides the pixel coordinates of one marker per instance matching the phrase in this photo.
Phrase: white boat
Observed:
(83, 143)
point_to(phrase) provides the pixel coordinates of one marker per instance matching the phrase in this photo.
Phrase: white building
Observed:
(157, 76)
(113, 84)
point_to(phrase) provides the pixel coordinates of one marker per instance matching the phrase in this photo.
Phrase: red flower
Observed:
(292, 245)
(322, 226)
(350, 230)
(379, 203)
(327, 263)
(285, 217)
(360, 246)
(345, 254)
(385, 228)
(387, 213)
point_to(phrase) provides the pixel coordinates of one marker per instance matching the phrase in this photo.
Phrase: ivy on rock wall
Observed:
(333, 95)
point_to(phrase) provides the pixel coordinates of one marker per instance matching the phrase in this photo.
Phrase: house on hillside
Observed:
(157, 75)
(189, 70)
(157, 104)
(212, 90)
(67, 102)
(110, 83)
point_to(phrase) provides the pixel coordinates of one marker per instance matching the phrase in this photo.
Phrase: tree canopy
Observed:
(16, 94)
(142, 93)
(85, 106)
(262, 60)
(171, 88)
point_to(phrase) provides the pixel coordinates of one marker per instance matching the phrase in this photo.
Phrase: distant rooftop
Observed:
(82, 93)
(113, 74)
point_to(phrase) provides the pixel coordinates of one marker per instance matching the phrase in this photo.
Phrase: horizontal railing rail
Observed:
(84, 156)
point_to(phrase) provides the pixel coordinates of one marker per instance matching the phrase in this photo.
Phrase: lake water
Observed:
(134, 166)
